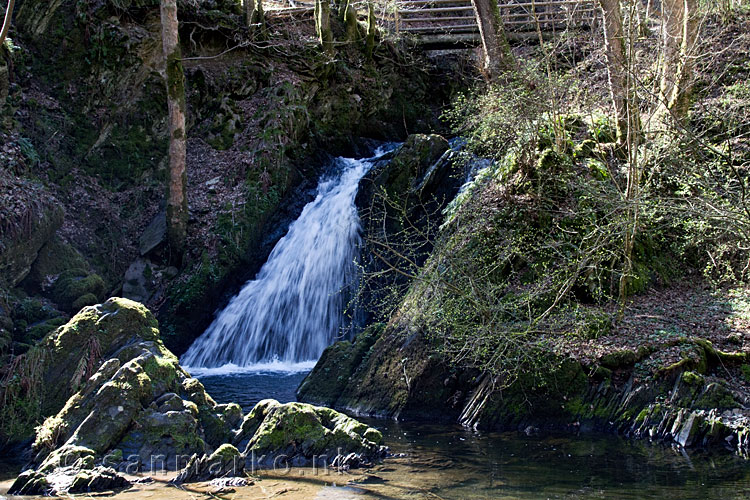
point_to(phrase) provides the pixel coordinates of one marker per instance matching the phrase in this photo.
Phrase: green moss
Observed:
(585, 149)
(225, 453)
(692, 378)
(325, 384)
(716, 396)
(39, 331)
(619, 359)
(551, 161)
(74, 284)
(87, 299)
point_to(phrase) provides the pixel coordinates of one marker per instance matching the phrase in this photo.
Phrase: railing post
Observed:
(397, 16)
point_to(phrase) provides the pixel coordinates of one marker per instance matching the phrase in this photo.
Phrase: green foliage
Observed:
(694, 199)
(20, 389)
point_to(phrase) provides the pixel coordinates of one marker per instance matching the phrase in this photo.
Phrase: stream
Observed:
(452, 462)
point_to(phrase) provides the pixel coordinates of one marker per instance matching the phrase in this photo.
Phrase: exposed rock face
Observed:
(132, 407)
(397, 377)
(400, 202)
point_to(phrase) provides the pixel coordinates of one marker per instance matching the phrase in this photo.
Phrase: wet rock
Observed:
(136, 283)
(140, 410)
(225, 462)
(55, 257)
(327, 381)
(70, 469)
(298, 434)
(406, 171)
(67, 356)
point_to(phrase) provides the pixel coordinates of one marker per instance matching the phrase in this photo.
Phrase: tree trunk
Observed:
(6, 22)
(497, 54)
(249, 11)
(371, 28)
(349, 17)
(177, 207)
(617, 68)
(323, 24)
(680, 34)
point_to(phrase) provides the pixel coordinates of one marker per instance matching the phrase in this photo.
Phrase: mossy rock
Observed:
(301, 432)
(32, 310)
(19, 248)
(108, 326)
(585, 149)
(87, 299)
(40, 330)
(74, 284)
(716, 396)
(333, 371)
(619, 359)
(550, 161)
(226, 461)
(54, 258)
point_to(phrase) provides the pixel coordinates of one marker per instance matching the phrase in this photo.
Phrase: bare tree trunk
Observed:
(614, 42)
(497, 54)
(680, 34)
(323, 24)
(254, 13)
(371, 28)
(249, 10)
(177, 207)
(6, 22)
(349, 17)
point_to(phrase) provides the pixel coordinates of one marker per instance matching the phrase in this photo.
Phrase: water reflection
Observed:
(455, 463)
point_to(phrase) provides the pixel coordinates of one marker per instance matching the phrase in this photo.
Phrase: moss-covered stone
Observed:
(55, 257)
(334, 369)
(20, 245)
(302, 433)
(76, 286)
(226, 461)
(68, 355)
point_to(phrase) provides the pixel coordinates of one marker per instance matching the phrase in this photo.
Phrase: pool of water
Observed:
(246, 389)
(451, 462)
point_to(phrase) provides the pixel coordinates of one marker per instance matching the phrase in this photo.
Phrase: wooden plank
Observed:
(545, 4)
(435, 19)
(542, 15)
(437, 10)
(414, 3)
(441, 29)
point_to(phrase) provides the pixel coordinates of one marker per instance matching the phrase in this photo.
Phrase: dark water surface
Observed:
(455, 463)
(246, 389)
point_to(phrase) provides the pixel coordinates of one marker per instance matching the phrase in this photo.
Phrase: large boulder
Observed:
(29, 217)
(135, 408)
(275, 434)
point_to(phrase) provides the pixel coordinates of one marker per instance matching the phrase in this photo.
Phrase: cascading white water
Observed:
(294, 308)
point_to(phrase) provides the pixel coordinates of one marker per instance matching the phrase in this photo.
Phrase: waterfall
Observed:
(294, 308)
